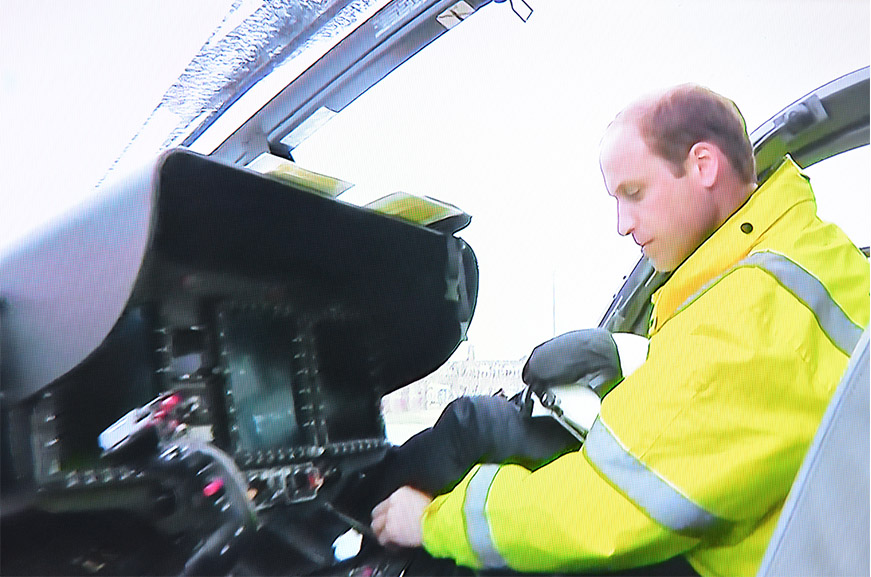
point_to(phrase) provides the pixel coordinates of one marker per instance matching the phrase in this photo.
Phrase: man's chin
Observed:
(660, 266)
(663, 263)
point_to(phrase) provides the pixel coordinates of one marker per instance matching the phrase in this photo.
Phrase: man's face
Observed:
(667, 216)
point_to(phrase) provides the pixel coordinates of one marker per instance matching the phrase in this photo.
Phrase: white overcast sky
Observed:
(498, 117)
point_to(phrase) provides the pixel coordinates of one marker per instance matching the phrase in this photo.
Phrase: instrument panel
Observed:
(204, 344)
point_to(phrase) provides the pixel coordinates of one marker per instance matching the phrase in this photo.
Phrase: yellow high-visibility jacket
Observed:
(694, 453)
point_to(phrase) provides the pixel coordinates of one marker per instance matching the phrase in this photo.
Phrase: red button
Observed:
(170, 402)
(213, 487)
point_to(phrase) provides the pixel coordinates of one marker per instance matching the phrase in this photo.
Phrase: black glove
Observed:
(589, 355)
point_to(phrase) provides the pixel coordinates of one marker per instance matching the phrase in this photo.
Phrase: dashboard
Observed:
(205, 343)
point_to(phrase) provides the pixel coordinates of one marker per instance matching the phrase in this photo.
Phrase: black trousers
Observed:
(473, 430)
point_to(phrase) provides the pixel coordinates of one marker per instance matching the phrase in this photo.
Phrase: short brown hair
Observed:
(684, 115)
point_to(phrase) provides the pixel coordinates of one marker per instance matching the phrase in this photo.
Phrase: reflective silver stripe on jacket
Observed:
(656, 496)
(807, 288)
(843, 332)
(477, 525)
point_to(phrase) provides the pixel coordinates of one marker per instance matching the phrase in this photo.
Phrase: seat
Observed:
(824, 526)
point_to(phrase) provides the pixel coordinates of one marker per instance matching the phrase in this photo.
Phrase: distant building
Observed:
(455, 379)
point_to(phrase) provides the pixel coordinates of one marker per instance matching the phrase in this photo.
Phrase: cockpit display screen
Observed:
(258, 352)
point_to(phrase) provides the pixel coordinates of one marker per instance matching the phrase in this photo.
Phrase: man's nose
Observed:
(625, 220)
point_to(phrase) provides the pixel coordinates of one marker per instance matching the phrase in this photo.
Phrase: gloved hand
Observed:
(589, 355)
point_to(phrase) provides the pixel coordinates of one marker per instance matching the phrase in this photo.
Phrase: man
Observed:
(693, 454)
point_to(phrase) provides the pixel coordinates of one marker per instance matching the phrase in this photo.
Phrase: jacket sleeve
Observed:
(697, 445)
(561, 517)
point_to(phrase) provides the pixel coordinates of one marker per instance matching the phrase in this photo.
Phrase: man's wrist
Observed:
(443, 527)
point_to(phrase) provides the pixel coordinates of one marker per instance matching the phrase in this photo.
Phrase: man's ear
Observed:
(703, 162)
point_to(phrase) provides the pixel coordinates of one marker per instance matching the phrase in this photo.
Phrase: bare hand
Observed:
(397, 520)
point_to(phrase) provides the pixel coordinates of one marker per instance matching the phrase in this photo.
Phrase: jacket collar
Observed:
(734, 240)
